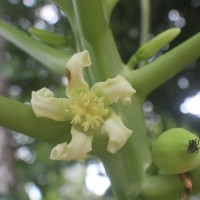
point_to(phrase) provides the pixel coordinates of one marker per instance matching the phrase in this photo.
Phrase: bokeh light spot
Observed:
(183, 83)
(175, 17)
(33, 191)
(24, 153)
(96, 179)
(15, 90)
(49, 13)
(195, 3)
(14, 1)
(29, 3)
(191, 105)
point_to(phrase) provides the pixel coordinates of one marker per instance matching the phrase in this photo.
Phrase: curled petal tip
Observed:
(44, 104)
(59, 151)
(75, 76)
(126, 100)
(115, 89)
(114, 145)
(86, 58)
(80, 145)
(77, 149)
(117, 132)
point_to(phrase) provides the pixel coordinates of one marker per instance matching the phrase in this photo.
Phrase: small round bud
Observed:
(176, 151)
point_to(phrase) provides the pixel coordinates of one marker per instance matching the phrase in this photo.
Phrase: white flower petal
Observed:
(117, 132)
(77, 149)
(75, 77)
(44, 104)
(114, 89)
(59, 152)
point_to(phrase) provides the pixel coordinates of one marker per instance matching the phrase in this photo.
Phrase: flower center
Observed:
(88, 110)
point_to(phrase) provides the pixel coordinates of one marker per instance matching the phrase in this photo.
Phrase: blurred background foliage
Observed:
(28, 173)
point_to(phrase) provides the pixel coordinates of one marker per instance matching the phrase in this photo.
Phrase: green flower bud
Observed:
(176, 151)
(150, 48)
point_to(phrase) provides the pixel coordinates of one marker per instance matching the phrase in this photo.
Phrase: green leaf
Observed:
(52, 58)
(50, 38)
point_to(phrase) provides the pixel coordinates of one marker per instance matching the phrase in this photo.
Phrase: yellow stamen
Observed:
(88, 110)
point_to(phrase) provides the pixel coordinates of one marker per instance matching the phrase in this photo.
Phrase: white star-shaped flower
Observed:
(86, 109)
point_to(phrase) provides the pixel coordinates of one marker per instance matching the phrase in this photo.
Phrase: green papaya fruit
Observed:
(176, 151)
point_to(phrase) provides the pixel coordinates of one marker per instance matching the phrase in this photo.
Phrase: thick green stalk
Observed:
(19, 117)
(52, 58)
(97, 37)
(151, 76)
(68, 9)
(128, 166)
(145, 20)
(108, 7)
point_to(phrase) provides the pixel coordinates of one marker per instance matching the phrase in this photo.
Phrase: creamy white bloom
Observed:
(86, 109)
(79, 146)
(115, 89)
(44, 104)
(76, 81)
(117, 132)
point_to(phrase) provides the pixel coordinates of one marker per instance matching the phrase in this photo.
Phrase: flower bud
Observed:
(176, 151)
(154, 45)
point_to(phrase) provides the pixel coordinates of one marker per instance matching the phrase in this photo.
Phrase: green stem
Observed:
(145, 20)
(151, 76)
(20, 118)
(128, 166)
(118, 168)
(68, 9)
(108, 7)
(97, 37)
(52, 58)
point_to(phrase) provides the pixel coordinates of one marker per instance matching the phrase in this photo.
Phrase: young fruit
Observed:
(176, 151)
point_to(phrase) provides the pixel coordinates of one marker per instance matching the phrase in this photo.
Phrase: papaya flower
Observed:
(86, 108)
